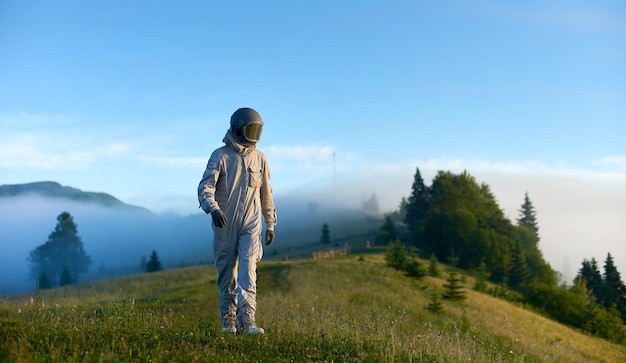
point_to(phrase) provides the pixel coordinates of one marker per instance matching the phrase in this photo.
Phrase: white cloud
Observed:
(617, 162)
(56, 152)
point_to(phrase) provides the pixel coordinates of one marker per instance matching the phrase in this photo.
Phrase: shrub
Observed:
(414, 269)
(396, 255)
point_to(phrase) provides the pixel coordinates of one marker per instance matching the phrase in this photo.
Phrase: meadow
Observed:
(344, 309)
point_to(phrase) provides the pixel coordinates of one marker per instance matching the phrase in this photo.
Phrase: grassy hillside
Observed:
(349, 308)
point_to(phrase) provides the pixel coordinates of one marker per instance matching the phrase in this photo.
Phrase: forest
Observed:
(455, 219)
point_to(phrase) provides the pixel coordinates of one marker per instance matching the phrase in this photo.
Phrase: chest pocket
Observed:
(255, 177)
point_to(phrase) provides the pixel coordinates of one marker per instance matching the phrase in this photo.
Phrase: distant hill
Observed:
(50, 189)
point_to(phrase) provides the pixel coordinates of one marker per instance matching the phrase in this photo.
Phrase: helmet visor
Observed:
(252, 131)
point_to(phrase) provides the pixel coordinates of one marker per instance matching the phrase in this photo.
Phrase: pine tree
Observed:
(402, 207)
(590, 273)
(528, 217)
(414, 269)
(387, 232)
(66, 277)
(615, 291)
(44, 282)
(482, 277)
(519, 274)
(154, 264)
(435, 305)
(371, 205)
(325, 237)
(396, 255)
(63, 249)
(416, 208)
(453, 288)
(433, 269)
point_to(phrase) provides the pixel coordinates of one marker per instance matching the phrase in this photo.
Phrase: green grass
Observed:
(345, 309)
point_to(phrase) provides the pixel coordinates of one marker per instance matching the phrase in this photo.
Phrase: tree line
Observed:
(456, 216)
(62, 258)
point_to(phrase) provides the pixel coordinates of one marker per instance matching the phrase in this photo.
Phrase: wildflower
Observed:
(19, 310)
(32, 301)
(368, 327)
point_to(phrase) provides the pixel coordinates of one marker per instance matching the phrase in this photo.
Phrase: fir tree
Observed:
(590, 273)
(528, 217)
(387, 232)
(402, 209)
(44, 282)
(325, 237)
(154, 264)
(454, 287)
(615, 291)
(371, 205)
(433, 266)
(66, 277)
(396, 255)
(435, 305)
(519, 274)
(416, 208)
(63, 249)
(482, 277)
(414, 269)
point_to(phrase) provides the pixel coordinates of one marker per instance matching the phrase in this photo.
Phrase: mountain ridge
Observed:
(52, 189)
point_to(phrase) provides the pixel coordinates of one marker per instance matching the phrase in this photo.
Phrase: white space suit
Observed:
(237, 183)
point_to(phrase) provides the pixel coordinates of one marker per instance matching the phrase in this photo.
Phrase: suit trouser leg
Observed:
(250, 252)
(225, 253)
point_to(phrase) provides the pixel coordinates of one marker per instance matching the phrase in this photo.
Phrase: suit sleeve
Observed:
(206, 188)
(267, 199)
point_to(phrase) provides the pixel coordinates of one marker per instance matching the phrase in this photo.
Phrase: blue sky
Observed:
(131, 97)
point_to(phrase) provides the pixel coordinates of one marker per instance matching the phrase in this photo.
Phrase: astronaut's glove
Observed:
(219, 218)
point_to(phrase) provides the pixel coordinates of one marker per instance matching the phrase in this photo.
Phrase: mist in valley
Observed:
(116, 239)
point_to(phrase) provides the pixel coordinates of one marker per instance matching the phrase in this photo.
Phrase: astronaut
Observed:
(235, 189)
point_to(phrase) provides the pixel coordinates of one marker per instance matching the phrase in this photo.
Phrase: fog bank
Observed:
(116, 239)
